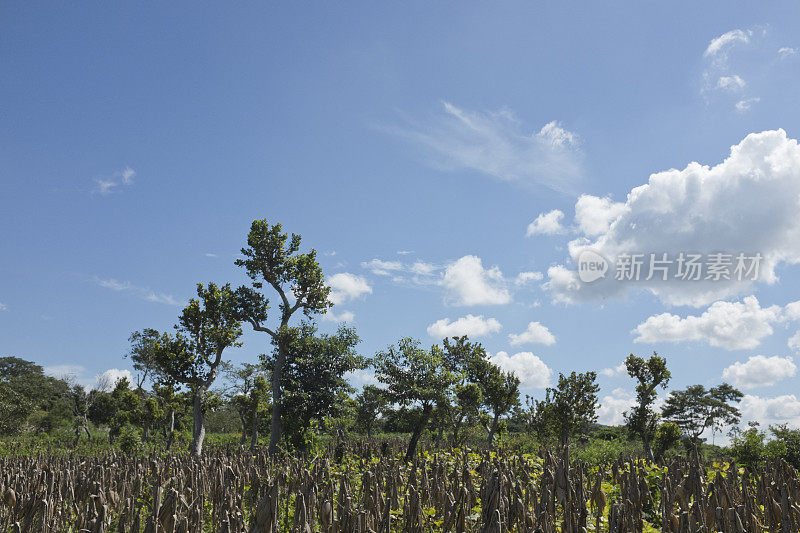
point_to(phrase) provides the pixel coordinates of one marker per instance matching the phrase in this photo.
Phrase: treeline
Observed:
(298, 389)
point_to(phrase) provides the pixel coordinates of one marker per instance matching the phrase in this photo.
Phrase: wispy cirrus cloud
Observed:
(495, 143)
(719, 46)
(106, 186)
(142, 293)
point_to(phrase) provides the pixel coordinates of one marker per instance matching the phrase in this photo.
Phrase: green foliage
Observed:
(666, 437)
(790, 439)
(649, 375)
(569, 408)
(207, 326)
(313, 377)
(751, 448)
(369, 405)
(130, 439)
(28, 397)
(14, 410)
(413, 376)
(499, 390)
(605, 452)
(696, 408)
(271, 258)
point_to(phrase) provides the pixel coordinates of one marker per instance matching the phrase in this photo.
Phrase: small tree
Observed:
(500, 391)
(314, 379)
(649, 375)
(666, 437)
(569, 408)
(465, 360)
(416, 377)
(249, 396)
(207, 326)
(368, 407)
(269, 259)
(696, 408)
(143, 352)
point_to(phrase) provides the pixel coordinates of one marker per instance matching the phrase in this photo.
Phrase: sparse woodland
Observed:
(443, 441)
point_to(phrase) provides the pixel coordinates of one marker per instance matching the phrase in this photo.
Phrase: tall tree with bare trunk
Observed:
(272, 259)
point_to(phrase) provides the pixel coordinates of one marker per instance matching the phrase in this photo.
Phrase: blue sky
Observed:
(138, 142)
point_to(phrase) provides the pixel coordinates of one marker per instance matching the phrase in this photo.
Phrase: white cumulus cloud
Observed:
(546, 224)
(730, 325)
(747, 204)
(523, 278)
(470, 325)
(346, 286)
(777, 410)
(107, 380)
(759, 371)
(612, 407)
(532, 372)
(794, 342)
(340, 316)
(594, 215)
(535, 333)
(619, 370)
(467, 282)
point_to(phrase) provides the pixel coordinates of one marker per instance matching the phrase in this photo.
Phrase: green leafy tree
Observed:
(500, 392)
(667, 436)
(465, 360)
(790, 439)
(696, 409)
(143, 353)
(273, 260)
(369, 405)
(569, 408)
(14, 410)
(250, 398)
(314, 375)
(415, 377)
(208, 325)
(173, 404)
(468, 399)
(752, 449)
(28, 396)
(649, 374)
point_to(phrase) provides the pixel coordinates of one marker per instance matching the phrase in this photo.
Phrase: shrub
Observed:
(130, 439)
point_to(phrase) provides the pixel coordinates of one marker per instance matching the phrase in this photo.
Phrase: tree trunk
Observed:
(171, 436)
(648, 450)
(243, 438)
(254, 435)
(412, 444)
(198, 423)
(277, 372)
(493, 429)
(457, 428)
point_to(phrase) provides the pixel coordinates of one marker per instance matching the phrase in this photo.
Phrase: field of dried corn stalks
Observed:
(366, 488)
